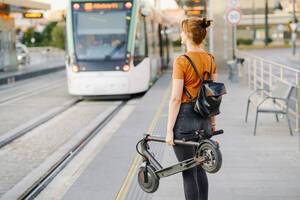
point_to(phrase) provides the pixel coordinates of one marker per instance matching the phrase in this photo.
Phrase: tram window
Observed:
(140, 48)
(161, 53)
(101, 35)
(152, 36)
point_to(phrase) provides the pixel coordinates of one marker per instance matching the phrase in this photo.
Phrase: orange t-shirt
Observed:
(182, 69)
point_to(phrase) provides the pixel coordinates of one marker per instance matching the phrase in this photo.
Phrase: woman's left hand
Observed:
(170, 138)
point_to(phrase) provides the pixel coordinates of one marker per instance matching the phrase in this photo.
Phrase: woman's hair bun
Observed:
(205, 23)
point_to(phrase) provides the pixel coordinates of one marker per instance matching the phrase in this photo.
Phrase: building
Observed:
(8, 59)
(252, 25)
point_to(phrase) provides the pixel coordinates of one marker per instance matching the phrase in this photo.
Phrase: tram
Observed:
(114, 48)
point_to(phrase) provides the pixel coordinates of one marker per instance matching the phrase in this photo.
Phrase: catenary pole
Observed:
(266, 23)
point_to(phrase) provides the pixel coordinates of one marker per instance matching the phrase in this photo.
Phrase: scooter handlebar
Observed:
(163, 139)
(218, 132)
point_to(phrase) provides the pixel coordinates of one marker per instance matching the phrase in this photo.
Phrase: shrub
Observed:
(240, 41)
(30, 33)
(286, 41)
(58, 37)
(177, 43)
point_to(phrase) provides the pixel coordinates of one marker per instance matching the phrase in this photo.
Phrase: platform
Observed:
(48, 64)
(261, 167)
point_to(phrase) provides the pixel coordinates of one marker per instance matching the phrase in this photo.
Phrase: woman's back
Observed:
(184, 70)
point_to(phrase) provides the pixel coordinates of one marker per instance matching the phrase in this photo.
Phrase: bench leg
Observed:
(277, 118)
(289, 123)
(246, 117)
(255, 125)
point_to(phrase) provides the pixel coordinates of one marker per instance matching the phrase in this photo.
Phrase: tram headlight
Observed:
(76, 6)
(75, 68)
(128, 5)
(125, 68)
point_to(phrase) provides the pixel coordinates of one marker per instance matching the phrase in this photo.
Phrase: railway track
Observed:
(50, 174)
(21, 95)
(25, 128)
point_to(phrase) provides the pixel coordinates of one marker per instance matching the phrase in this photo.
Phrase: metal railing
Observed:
(262, 73)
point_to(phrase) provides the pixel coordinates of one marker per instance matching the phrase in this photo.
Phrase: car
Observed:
(23, 56)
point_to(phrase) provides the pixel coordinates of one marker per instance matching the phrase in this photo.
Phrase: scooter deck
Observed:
(181, 166)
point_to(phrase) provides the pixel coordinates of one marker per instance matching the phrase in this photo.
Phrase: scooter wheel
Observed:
(150, 183)
(214, 162)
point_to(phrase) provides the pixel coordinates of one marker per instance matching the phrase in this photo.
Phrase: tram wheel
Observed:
(214, 162)
(147, 179)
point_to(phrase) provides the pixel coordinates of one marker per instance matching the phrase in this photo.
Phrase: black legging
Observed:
(195, 181)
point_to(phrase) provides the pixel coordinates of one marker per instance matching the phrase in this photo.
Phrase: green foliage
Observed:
(177, 43)
(52, 35)
(243, 41)
(270, 40)
(46, 33)
(286, 41)
(30, 33)
(58, 37)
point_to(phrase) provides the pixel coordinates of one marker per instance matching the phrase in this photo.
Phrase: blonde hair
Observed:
(195, 28)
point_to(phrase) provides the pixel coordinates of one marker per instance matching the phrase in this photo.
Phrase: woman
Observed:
(182, 119)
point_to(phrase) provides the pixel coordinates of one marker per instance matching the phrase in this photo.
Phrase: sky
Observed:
(61, 4)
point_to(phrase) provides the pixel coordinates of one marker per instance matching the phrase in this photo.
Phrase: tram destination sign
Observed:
(88, 7)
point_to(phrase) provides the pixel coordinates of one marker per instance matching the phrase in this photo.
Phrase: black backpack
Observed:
(208, 100)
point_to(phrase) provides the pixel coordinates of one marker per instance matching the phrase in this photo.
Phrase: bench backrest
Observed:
(282, 90)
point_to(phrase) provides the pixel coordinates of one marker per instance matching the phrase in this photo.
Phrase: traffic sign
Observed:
(233, 16)
(234, 3)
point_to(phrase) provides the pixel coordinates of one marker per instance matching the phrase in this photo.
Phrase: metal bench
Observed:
(281, 92)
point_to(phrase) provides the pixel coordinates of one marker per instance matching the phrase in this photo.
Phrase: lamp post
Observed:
(266, 23)
(253, 20)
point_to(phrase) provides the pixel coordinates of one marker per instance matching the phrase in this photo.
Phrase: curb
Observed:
(10, 79)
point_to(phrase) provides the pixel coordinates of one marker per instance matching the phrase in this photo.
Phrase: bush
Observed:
(286, 41)
(58, 37)
(243, 41)
(177, 43)
(270, 40)
(46, 33)
(30, 33)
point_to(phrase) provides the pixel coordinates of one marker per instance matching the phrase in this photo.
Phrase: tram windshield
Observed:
(101, 34)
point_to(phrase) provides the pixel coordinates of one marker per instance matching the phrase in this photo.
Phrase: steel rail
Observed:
(55, 169)
(41, 120)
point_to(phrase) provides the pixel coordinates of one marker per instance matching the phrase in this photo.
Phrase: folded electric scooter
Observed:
(207, 154)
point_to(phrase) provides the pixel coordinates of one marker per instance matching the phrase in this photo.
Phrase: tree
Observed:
(29, 34)
(58, 37)
(47, 33)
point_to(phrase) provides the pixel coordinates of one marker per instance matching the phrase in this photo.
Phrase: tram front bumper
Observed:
(98, 83)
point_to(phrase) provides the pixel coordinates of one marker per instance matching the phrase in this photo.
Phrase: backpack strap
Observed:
(209, 74)
(190, 60)
(184, 89)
